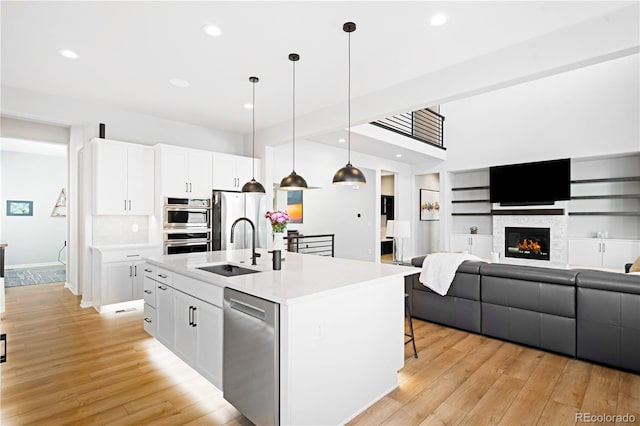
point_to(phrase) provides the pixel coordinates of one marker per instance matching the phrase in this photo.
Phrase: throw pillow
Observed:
(636, 266)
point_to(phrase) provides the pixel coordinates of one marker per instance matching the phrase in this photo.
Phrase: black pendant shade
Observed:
(253, 186)
(293, 182)
(349, 175)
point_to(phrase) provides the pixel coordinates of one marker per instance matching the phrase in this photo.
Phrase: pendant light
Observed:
(253, 186)
(293, 182)
(349, 175)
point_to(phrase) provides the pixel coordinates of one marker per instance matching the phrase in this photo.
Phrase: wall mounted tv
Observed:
(539, 183)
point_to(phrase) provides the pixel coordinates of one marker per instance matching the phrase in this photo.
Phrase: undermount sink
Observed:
(228, 270)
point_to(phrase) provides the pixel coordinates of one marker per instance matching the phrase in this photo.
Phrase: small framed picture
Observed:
(429, 204)
(19, 208)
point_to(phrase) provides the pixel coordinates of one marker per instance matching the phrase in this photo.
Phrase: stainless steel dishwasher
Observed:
(251, 358)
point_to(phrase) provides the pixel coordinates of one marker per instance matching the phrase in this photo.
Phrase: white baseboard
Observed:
(86, 304)
(71, 288)
(32, 265)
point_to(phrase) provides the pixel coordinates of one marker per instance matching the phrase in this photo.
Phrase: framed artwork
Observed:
(429, 204)
(19, 208)
(294, 206)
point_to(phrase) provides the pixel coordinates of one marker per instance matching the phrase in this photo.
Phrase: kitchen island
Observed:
(341, 328)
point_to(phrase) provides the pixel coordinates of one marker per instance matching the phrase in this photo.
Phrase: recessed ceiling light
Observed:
(341, 140)
(212, 30)
(178, 82)
(398, 155)
(438, 19)
(67, 53)
(248, 106)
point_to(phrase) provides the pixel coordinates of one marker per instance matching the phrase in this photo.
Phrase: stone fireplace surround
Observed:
(557, 224)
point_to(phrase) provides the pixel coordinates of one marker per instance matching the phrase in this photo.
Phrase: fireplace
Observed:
(527, 243)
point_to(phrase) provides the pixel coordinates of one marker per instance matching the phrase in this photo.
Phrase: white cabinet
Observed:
(198, 335)
(123, 178)
(187, 314)
(184, 172)
(231, 172)
(118, 273)
(476, 244)
(602, 253)
(123, 281)
(165, 315)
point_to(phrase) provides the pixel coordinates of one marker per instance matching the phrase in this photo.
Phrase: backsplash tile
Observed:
(109, 230)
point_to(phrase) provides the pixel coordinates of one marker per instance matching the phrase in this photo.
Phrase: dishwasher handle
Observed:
(247, 309)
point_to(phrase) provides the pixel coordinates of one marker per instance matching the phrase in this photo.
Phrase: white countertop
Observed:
(302, 275)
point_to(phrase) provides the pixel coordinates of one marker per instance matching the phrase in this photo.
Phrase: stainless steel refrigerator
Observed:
(229, 206)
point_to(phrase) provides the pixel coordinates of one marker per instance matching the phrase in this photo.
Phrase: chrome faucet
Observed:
(254, 255)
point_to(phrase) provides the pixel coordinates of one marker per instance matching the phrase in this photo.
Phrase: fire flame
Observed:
(527, 244)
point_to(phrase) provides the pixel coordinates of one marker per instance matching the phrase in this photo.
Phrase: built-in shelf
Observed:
(604, 197)
(470, 201)
(604, 213)
(527, 212)
(619, 179)
(469, 188)
(470, 214)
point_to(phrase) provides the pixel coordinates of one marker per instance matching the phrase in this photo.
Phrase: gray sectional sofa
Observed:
(587, 314)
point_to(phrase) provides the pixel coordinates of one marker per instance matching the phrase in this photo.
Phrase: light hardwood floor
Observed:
(68, 365)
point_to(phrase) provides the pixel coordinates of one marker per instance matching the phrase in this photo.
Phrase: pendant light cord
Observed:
(253, 130)
(294, 118)
(349, 107)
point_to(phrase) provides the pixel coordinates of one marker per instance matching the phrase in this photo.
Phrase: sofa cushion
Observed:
(418, 261)
(530, 273)
(610, 281)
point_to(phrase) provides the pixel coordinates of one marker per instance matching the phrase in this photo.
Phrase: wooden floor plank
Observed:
(68, 365)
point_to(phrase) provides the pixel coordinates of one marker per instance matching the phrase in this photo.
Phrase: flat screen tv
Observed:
(539, 183)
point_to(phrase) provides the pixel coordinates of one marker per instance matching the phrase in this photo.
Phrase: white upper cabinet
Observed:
(123, 178)
(231, 172)
(185, 172)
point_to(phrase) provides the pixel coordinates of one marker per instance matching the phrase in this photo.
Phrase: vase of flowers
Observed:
(279, 220)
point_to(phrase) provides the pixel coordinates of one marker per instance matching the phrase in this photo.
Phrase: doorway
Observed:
(387, 213)
(34, 216)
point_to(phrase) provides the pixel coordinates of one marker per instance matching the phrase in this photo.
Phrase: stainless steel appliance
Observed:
(251, 356)
(183, 213)
(187, 225)
(229, 206)
(191, 241)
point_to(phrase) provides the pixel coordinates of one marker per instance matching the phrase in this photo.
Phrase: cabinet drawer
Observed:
(158, 274)
(122, 255)
(150, 319)
(149, 291)
(209, 293)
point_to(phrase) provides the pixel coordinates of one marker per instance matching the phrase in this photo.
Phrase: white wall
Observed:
(427, 233)
(334, 209)
(120, 124)
(38, 178)
(587, 112)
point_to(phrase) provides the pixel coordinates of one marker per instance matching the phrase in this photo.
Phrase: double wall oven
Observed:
(187, 225)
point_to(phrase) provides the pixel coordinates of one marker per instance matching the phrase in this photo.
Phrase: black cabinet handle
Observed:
(148, 320)
(162, 288)
(135, 270)
(130, 270)
(148, 270)
(193, 322)
(147, 291)
(3, 354)
(162, 275)
(190, 315)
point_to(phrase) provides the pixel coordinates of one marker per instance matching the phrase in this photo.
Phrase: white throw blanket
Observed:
(439, 269)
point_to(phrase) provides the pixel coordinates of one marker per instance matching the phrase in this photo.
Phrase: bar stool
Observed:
(407, 313)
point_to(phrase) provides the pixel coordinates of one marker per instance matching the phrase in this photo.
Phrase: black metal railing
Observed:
(424, 125)
(321, 245)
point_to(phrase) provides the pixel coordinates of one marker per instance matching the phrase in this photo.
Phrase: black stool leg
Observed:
(407, 313)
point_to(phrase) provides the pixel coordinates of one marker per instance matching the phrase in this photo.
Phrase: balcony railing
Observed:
(423, 125)
(321, 245)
